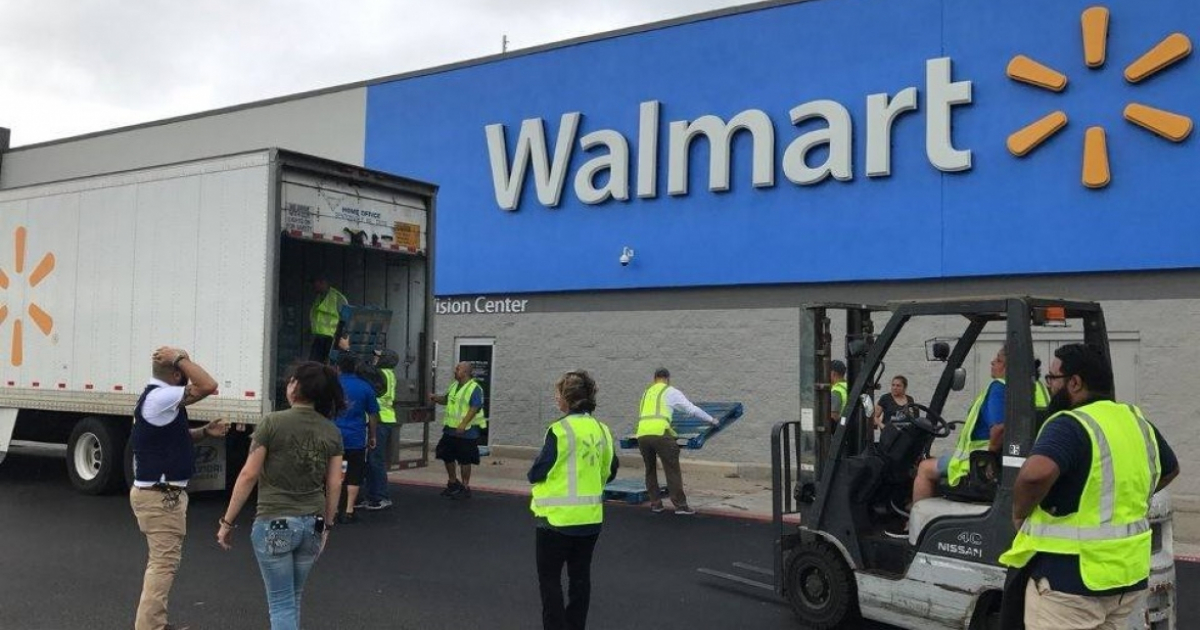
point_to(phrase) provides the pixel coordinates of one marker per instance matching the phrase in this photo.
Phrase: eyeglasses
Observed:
(1055, 377)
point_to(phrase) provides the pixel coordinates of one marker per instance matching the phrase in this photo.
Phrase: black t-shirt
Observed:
(890, 408)
(1066, 442)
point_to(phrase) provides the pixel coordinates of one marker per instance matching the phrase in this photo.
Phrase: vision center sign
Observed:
(837, 136)
(818, 141)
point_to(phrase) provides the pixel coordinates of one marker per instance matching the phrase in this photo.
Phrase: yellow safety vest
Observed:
(326, 311)
(387, 409)
(654, 417)
(458, 405)
(1041, 395)
(1110, 533)
(839, 389)
(573, 492)
(960, 461)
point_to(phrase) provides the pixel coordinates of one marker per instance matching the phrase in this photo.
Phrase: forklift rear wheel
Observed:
(821, 587)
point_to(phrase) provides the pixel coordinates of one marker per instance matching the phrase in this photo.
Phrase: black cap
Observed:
(662, 373)
(837, 367)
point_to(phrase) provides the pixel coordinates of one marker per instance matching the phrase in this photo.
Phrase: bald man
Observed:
(462, 419)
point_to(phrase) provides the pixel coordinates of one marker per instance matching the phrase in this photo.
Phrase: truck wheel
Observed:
(96, 454)
(821, 587)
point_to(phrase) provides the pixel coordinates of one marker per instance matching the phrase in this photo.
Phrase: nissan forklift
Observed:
(847, 558)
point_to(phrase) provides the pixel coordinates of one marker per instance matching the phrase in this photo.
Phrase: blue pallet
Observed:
(691, 433)
(631, 491)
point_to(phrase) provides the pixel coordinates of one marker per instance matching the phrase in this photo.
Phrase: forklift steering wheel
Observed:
(929, 422)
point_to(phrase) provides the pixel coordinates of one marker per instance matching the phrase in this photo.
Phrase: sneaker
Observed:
(657, 507)
(684, 511)
(463, 493)
(350, 518)
(451, 488)
(379, 505)
(361, 503)
(900, 533)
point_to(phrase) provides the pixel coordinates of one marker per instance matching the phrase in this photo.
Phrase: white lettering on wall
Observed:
(550, 171)
(481, 305)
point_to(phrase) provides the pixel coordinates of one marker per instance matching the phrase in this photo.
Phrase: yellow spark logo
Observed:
(40, 318)
(1169, 125)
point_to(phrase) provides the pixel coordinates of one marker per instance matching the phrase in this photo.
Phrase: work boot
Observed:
(463, 493)
(451, 488)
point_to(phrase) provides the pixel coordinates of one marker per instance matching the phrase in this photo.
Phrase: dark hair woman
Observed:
(296, 461)
(568, 480)
(893, 403)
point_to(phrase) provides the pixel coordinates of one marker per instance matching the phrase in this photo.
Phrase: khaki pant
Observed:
(665, 448)
(164, 522)
(1050, 610)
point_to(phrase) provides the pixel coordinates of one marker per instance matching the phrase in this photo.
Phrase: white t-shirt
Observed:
(160, 408)
(677, 401)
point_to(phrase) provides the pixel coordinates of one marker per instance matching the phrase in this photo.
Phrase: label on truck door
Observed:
(321, 208)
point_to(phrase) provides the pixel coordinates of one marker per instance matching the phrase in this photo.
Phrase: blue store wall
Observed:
(1006, 215)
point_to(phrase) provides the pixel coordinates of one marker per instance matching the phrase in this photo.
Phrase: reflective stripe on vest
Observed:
(573, 491)
(1110, 532)
(1041, 395)
(326, 312)
(458, 405)
(960, 461)
(654, 416)
(387, 409)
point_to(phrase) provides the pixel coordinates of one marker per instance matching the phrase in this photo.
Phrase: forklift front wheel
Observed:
(821, 587)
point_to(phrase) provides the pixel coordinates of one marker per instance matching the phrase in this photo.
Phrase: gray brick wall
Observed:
(751, 356)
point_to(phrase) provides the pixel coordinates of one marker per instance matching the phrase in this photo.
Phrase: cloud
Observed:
(75, 66)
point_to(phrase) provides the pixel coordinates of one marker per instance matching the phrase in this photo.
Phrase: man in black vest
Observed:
(163, 460)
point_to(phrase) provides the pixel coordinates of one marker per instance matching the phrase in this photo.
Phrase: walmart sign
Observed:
(814, 141)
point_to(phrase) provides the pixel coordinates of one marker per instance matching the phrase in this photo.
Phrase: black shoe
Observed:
(347, 519)
(897, 533)
(451, 488)
(463, 493)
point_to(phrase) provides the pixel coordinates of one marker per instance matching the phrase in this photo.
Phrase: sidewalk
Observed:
(714, 488)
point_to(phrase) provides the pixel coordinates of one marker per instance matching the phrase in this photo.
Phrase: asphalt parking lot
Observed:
(73, 561)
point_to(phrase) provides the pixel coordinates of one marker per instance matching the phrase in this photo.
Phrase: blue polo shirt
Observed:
(991, 414)
(360, 401)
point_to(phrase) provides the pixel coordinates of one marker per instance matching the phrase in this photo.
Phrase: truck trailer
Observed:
(216, 256)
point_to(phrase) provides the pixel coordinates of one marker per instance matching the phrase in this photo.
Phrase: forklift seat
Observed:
(923, 512)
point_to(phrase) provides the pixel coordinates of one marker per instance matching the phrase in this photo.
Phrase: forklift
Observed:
(839, 564)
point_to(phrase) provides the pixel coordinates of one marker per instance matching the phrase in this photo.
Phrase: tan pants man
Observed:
(663, 447)
(162, 517)
(1050, 610)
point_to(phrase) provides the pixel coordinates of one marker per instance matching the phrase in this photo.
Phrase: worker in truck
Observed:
(656, 439)
(984, 429)
(1081, 500)
(163, 463)
(323, 317)
(459, 446)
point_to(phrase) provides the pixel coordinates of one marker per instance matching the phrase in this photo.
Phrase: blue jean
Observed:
(377, 483)
(286, 549)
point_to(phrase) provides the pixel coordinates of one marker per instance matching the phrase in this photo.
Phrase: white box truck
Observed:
(215, 256)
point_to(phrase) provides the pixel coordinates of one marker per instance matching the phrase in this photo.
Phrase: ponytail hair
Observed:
(578, 389)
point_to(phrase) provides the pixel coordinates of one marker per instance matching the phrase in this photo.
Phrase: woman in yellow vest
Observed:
(568, 480)
(1081, 500)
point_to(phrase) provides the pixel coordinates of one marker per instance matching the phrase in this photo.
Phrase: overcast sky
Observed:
(69, 67)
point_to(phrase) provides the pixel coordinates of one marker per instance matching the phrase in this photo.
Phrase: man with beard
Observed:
(1081, 500)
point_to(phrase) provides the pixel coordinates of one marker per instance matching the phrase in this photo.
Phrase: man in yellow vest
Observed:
(838, 390)
(656, 439)
(568, 478)
(1082, 497)
(323, 318)
(460, 431)
(984, 429)
(376, 488)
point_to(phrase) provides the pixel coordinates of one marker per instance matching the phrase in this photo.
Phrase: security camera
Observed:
(626, 256)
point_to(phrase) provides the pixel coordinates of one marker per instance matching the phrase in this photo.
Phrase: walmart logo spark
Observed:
(40, 318)
(1168, 125)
